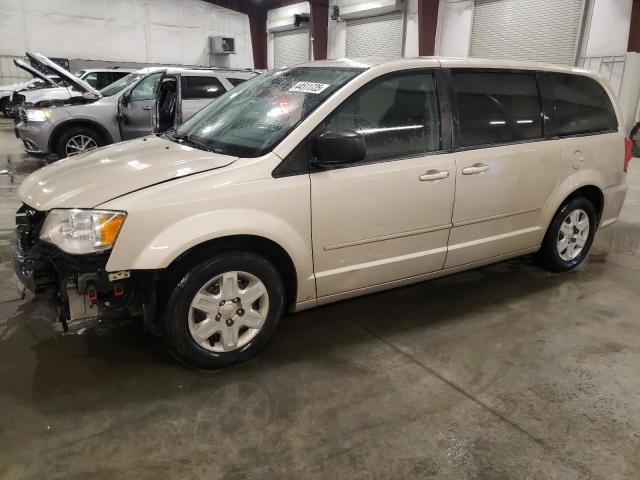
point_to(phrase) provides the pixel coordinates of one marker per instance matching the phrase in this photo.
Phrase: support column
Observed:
(258, 27)
(634, 32)
(427, 24)
(319, 27)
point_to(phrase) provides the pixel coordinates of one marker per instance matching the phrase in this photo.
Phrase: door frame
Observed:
(120, 114)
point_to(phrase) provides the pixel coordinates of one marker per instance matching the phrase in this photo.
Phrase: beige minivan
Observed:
(308, 185)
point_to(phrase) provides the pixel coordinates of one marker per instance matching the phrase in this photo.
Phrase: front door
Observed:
(137, 107)
(387, 218)
(506, 169)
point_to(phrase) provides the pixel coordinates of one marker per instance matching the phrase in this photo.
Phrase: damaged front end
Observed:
(85, 292)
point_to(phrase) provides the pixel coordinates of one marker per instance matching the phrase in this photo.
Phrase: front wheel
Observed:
(569, 236)
(224, 309)
(77, 140)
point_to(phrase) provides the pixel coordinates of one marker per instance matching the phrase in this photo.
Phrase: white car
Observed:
(35, 84)
(98, 78)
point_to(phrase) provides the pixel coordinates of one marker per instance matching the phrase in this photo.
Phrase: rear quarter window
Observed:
(581, 105)
(236, 81)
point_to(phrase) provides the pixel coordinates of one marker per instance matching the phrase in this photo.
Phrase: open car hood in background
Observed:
(35, 72)
(68, 76)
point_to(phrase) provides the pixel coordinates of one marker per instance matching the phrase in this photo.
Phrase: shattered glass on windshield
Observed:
(251, 119)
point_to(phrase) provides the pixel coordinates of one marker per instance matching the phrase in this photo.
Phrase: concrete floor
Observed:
(506, 372)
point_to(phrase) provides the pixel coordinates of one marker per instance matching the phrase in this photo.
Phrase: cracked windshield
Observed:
(264, 110)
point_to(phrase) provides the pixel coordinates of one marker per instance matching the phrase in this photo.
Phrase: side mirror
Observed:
(337, 149)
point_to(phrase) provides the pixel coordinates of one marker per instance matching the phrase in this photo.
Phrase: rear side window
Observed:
(201, 87)
(497, 107)
(397, 116)
(581, 104)
(236, 81)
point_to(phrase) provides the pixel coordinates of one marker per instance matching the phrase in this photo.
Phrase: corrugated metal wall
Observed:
(291, 47)
(375, 36)
(540, 30)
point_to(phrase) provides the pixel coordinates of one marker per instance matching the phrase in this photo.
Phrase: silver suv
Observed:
(151, 100)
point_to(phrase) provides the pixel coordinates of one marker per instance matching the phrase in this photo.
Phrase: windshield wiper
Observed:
(170, 134)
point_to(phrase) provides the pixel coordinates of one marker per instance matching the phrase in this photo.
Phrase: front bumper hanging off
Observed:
(84, 290)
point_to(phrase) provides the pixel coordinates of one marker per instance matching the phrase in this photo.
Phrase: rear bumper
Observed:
(613, 201)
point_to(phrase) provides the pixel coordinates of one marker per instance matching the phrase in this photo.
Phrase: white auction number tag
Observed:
(309, 87)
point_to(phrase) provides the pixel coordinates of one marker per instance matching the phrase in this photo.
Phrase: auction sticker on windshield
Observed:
(309, 87)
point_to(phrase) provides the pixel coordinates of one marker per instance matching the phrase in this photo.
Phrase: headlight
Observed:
(38, 114)
(82, 231)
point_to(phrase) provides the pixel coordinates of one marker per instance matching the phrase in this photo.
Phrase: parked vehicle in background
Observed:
(312, 184)
(38, 82)
(65, 91)
(99, 78)
(153, 99)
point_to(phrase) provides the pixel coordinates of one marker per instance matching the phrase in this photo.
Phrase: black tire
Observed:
(187, 285)
(548, 255)
(635, 139)
(3, 106)
(61, 143)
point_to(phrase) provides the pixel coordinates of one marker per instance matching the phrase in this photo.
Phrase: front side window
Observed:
(201, 87)
(397, 116)
(147, 88)
(581, 104)
(497, 107)
(252, 118)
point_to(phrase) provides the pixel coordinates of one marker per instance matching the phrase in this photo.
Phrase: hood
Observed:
(58, 93)
(68, 76)
(87, 180)
(35, 72)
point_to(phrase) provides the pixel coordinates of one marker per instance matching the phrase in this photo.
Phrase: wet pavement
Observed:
(506, 372)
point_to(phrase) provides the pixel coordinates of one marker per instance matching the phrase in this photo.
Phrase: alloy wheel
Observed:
(228, 311)
(573, 235)
(80, 144)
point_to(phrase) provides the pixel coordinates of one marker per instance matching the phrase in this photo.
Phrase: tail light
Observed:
(627, 152)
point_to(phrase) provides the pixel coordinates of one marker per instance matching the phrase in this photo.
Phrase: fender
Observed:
(171, 242)
(581, 178)
(78, 121)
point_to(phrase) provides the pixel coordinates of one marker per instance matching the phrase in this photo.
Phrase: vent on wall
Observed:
(222, 45)
(298, 20)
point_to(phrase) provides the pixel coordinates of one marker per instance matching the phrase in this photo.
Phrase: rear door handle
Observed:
(432, 175)
(146, 108)
(475, 169)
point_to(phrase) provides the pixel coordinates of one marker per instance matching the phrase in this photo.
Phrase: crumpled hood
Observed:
(87, 180)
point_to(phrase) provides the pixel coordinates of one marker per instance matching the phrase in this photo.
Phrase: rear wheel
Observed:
(635, 139)
(224, 309)
(77, 140)
(569, 236)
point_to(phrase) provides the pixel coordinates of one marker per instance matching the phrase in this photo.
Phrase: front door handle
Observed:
(146, 108)
(475, 169)
(432, 175)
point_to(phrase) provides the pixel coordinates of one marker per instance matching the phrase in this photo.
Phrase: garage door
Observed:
(539, 30)
(375, 36)
(291, 47)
